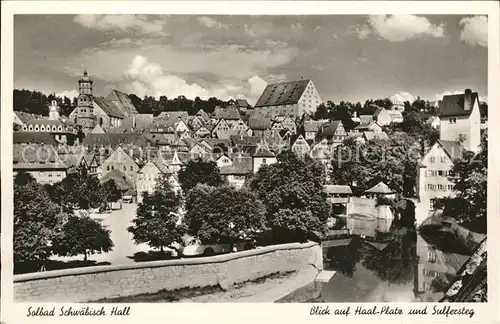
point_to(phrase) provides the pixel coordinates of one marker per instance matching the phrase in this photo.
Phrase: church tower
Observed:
(54, 111)
(85, 110)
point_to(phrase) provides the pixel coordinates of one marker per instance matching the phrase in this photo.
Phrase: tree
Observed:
(470, 177)
(36, 220)
(321, 112)
(111, 191)
(79, 190)
(156, 220)
(385, 103)
(292, 191)
(223, 214)
(412, 122)
(137, 102)
(199, 171)
(82, 235)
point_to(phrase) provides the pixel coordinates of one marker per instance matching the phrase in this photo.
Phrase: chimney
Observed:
(468, 99)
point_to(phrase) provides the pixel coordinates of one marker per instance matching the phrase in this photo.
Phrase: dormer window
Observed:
(453, 120)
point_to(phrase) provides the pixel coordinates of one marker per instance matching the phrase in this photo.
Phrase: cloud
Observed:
(233, 61)
(398, 28)
(68, 93)
(148, 78)
(257, 85)
(475, 30)
(402, 97)
(137, 23)
(212, 23)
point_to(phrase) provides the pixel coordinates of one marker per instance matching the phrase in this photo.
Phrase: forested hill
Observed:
(37, 102)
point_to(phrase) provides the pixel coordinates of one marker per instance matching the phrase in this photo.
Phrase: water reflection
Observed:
(405, 268)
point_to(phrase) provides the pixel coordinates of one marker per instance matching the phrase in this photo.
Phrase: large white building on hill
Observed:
(288, 99)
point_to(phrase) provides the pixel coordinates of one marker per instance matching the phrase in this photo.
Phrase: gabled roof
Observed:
(227, 113)
(97, 130)
(122, 102)
(242, 103)
(161, 164)
(123, 182)
(33, 138)
(108, 107)
(380, 188)
(453, 149)
(453, 105)
(328, 130)
(312, 125)
(241, 166)
(259, 122)
(284, 93)
(212, 142)
(36, 156)
(365, 119)
(263, 152)
(337, 189)
(378, 111)
(376, 135)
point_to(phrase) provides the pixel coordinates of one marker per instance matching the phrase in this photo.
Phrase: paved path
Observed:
(125, 247)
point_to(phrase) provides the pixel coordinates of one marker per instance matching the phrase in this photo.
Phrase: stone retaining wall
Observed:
(94, 283)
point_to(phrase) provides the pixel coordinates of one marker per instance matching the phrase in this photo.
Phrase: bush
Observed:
(439, 284)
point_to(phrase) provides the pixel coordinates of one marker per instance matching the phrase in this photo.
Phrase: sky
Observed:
(350, 58)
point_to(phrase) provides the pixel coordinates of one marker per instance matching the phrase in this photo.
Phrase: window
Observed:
(431, 256)
(432, 159)
(112, 167)
(431, 204)
(440, 173)
(131, 168)
(107, 168)
(443, 159)
(453, 120)
(124, 168)
(450, 187)
(264, 161)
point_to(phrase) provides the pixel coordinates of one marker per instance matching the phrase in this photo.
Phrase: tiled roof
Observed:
(35, 156)
(33, 138)
(25, 117)
(365, 119)
(227, 113)
(263, 152)
(312, 125)
(242, 103)
(238, 140)
(378, 111)
(142, 122)
(284, 93)
(123, 182)
(44, 122)
(380, 188)
(212, 142)
(328, 130)
(376, 135)
(122, 102)
(108, 107)
(259, 122)
(158, 139)
(173, 115)
(453, 148)
(453, 105)
(241, 166)
(161, 164)
(114, 139)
